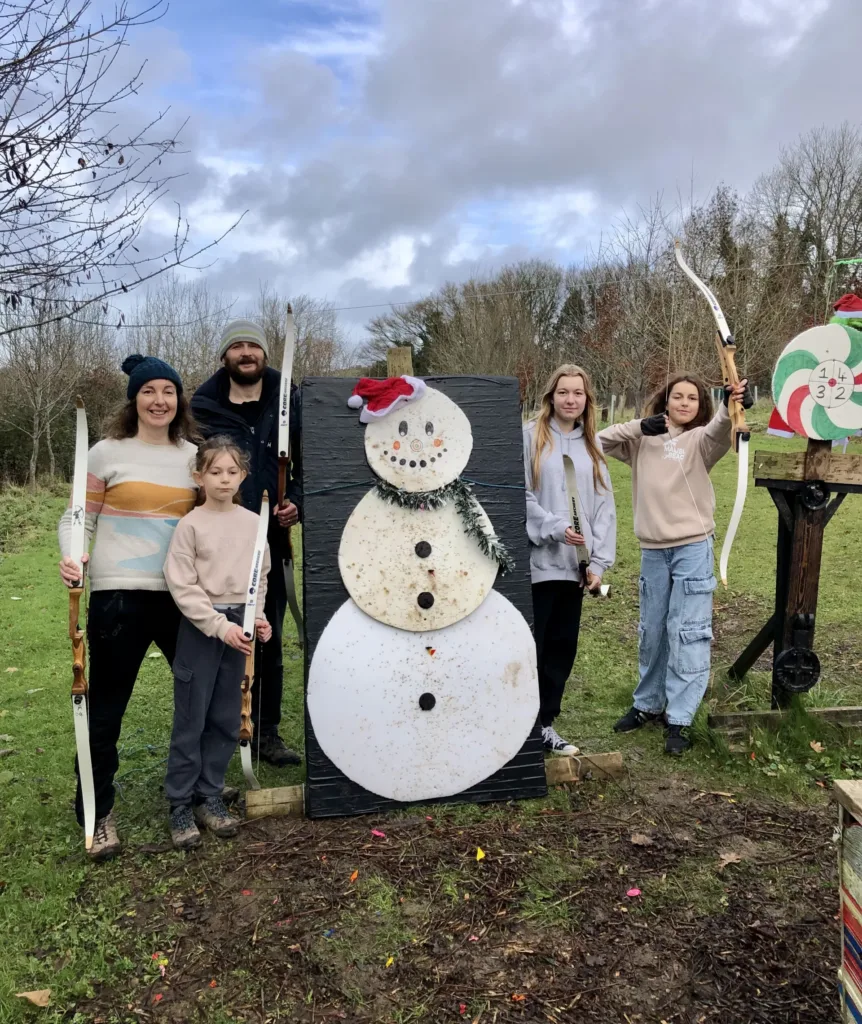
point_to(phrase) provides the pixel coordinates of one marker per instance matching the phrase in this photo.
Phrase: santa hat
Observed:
(382, 396)
(848, 307)
(777, 427)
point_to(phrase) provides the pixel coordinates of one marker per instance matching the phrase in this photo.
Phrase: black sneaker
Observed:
(634, 718)
(677, 742)
(554, 743)
(273, 751)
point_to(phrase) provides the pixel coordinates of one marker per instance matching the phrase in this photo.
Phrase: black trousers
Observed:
(556, 624)
(268, 662)
(121, 625)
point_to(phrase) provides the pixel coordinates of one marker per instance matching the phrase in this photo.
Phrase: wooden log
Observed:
(561, 771)
(285, 801)
(742, 722)
(399, 361)
(289, 801)
(837, 469)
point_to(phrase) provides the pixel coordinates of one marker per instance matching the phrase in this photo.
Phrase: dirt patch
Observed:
(324, 921)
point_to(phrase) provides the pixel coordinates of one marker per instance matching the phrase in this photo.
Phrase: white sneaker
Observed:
(555, 744)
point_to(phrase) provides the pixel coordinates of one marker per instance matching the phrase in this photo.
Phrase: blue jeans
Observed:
(675, 632)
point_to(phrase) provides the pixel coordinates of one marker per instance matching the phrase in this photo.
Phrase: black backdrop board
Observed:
(335, 476)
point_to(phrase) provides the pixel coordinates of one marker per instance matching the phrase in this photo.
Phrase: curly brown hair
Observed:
(183, 427)
(658, 403)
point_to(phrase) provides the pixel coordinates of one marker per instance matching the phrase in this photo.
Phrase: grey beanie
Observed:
(242, 330)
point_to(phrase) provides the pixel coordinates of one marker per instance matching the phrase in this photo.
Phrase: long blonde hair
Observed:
(542, 435)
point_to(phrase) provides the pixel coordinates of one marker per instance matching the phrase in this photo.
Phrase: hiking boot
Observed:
(184, 831)
(677, 741)
(106, 842)
(634, 718)
(554, 743)
(230, 795)
(270, 748)
(213, 814)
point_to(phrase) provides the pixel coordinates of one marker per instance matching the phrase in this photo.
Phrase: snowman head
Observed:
(416, 438)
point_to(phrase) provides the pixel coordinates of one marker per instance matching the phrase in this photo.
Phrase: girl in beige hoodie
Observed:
(671, 453)
(207, 571)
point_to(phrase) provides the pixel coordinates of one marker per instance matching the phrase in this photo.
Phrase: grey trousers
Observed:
(207, 699)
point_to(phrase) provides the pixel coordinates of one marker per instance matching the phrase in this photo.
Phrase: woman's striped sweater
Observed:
(136, 495)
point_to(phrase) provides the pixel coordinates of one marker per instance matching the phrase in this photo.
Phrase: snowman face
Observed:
(421, 445)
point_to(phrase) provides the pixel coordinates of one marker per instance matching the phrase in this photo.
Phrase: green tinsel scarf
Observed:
(466, 506)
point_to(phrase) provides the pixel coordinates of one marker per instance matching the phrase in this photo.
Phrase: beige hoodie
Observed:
(672, 495)
(209, 563)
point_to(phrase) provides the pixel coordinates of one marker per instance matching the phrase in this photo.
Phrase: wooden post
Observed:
(399, 361)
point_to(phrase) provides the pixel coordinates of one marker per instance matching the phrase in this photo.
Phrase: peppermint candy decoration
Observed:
(817, 382)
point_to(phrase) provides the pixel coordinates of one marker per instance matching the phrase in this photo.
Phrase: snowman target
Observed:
(422, 684)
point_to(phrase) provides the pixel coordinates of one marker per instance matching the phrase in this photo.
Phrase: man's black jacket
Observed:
(215, 414)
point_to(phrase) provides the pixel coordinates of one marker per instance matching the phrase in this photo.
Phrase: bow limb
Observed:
(80, 702)
(740, 434)
(738, 504)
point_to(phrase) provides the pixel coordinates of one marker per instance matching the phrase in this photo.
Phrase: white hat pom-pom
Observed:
(355, 402)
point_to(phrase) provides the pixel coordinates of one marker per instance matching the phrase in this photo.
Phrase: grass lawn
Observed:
(738, 892)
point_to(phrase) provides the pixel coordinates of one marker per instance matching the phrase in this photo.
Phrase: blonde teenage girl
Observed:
(564, 425)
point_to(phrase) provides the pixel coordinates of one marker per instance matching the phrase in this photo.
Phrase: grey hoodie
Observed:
(548, 509)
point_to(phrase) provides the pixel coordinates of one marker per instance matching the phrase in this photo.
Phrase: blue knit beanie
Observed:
(142, 369)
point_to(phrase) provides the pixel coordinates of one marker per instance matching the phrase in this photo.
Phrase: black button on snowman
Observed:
(424, 681)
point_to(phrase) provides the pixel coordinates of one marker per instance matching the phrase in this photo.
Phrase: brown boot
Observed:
(106, 842)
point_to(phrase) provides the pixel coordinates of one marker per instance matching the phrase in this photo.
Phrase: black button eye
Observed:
(429, 427)
(402, 428)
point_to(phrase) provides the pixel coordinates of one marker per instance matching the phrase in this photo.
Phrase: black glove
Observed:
(652, 426)
(747, 397)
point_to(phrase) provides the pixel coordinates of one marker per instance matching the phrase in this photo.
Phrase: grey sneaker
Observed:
(270, 748)
(184, 831)
(554, 743)
(213, 814)
(106, 842)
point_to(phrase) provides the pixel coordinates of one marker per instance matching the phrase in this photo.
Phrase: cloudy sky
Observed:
(382, 147)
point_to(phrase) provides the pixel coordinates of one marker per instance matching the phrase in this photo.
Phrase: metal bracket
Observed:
(814, 495)
(797, 669)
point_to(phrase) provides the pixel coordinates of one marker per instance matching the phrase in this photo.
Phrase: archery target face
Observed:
(413, 716)
(421, 445)
(414, 569)
(817, 382)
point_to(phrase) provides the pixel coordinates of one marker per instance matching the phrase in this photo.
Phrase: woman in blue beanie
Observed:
(139, 486)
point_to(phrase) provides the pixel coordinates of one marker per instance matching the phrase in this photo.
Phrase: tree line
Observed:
(81, 170)
(773, 257)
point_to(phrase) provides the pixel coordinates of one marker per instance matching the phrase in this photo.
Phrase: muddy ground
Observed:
(325, 921)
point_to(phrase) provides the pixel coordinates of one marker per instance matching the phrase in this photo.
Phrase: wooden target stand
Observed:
(289, 801)
(807, 489)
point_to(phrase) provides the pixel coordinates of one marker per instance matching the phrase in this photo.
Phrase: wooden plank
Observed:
(848, 793)
(560, 771)
(399, 361)
(284, 801)
(742, 721)
(831, 466)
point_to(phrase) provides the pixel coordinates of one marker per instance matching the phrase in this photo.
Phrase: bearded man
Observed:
(241, 400)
